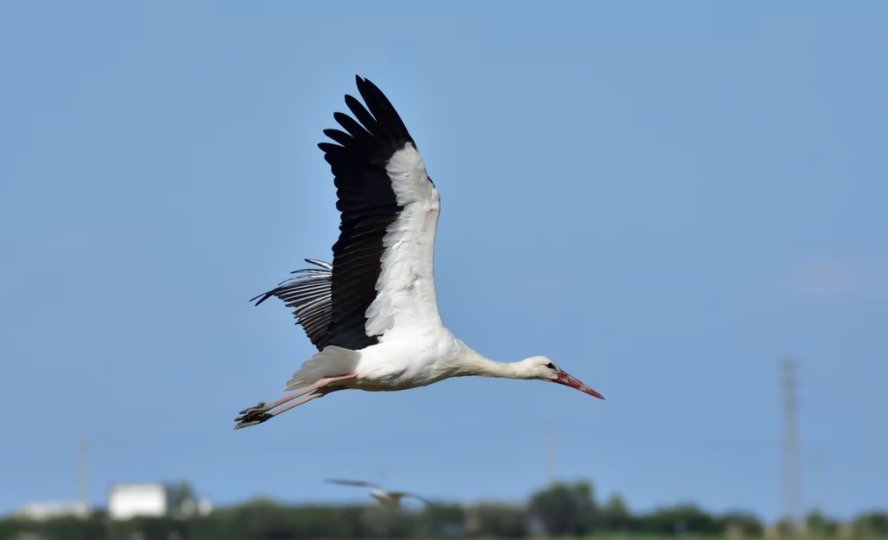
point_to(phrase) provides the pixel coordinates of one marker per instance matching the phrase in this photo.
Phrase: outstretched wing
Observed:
(413, 495)
(355, 483)
(308, 295)
(382, 263)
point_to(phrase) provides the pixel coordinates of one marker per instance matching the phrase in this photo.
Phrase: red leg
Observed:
(263, 411)
(321, 392)
(288, 397)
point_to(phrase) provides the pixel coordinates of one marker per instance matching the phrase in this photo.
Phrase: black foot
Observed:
(252, 416)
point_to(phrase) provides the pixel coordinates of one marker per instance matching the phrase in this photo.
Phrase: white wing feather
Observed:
(406, 286)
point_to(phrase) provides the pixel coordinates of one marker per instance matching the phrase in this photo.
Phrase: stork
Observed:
(385, 497)
(372, 313)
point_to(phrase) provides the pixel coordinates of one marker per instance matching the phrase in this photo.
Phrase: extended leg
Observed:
(263, 411)
(268, 406)
(321, 392)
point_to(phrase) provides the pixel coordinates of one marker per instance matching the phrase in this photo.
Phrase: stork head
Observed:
(540, 367)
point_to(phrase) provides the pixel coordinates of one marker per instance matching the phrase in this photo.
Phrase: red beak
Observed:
(567, 379)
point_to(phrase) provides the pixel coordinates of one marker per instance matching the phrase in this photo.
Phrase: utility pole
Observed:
(792, 492)
(83, 473)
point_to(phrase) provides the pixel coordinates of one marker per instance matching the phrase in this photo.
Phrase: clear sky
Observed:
(667, 200)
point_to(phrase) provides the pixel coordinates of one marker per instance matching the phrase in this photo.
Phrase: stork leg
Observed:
(320, 392)
(264, 411)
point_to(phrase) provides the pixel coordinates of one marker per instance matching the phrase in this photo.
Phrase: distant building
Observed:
(130, 500)
(126, 501)
(42, 511)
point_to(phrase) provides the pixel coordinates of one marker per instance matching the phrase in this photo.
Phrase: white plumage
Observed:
(373, 314)
(405, 299)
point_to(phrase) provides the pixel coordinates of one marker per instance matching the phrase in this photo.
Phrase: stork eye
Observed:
(550, 365)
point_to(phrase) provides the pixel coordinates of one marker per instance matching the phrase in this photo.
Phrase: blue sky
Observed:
(667, 200)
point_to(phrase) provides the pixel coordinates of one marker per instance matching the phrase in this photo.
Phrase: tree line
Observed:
(561, 509)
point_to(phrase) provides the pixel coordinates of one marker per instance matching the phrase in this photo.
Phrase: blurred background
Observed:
(684, 204)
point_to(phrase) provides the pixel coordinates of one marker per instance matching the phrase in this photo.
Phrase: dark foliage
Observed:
(561, 509)
(565, 509)
(500, 520)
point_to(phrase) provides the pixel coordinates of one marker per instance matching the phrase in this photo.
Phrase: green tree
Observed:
(679, 519)
(741, 522)
(145, 528)
(183, 501)
(383, 522)
(872, 524)
(263, 519)
(491, 519)
(785, 527)
(437, 520)
(614, 515)
(565, 509)
(61, 528)
(817, 524)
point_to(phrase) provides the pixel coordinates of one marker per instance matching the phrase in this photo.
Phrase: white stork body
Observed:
(373, 314)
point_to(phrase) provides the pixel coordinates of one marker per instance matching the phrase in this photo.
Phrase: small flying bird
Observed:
(390, 499)
(372, 314)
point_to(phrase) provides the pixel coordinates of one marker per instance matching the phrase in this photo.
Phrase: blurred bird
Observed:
(390, 499)
(372, 314)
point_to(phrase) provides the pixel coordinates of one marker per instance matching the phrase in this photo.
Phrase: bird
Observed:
(390, 499)
(372, 313)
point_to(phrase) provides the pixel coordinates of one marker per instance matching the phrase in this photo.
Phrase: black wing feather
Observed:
(367, 204)
(359, 111)
(308, 295)
(330, 301)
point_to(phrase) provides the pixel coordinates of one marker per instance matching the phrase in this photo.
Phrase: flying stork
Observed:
(387, 498)
(372, 314)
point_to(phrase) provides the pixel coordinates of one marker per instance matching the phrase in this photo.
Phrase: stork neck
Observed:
(476, 364)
